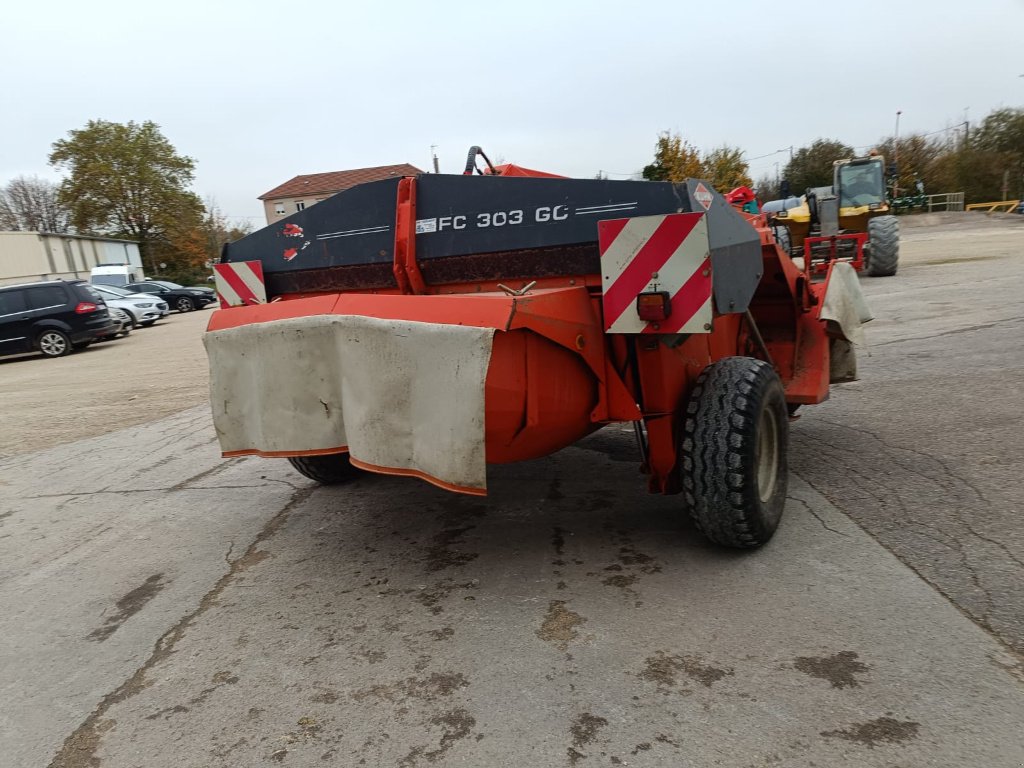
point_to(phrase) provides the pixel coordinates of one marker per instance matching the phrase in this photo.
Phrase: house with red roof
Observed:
(303, 191)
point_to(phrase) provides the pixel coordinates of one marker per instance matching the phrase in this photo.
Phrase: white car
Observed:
(122, 322)
(142, 308)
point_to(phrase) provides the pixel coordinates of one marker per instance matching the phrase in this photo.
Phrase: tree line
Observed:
(986, 163)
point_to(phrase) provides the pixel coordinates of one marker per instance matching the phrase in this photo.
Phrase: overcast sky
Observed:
(258, 92)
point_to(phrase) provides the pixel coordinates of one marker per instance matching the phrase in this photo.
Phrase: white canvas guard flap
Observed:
(400, 395)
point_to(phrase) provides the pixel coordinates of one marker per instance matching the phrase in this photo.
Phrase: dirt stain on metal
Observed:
(882, 730)
(559, 625)
(130, 604)
(840, 669)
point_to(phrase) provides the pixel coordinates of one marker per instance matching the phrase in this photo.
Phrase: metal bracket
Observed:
(521, 292)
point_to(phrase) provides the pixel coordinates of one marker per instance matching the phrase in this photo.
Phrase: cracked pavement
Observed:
(164, 607)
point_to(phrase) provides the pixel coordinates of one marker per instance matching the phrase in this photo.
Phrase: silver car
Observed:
(143, 308)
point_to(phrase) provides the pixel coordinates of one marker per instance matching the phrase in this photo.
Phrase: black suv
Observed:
(177, 296)
(54, 318)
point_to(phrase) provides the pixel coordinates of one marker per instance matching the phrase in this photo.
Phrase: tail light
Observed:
(654, 306)
(85, 307)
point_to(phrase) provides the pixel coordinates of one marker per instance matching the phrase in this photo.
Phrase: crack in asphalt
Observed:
(175, 488)
(949, 472)
(908, 519)
(216, 469)
(816, 516)
(80, 747)
(953, 332)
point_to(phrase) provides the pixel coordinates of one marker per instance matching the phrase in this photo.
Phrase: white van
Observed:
(115, 274)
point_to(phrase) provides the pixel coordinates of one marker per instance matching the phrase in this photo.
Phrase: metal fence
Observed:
(948, 201)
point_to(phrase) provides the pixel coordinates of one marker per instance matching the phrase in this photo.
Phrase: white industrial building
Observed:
(27, 257)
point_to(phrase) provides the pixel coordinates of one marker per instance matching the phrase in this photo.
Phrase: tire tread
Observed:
(884, 237)
(719, 427)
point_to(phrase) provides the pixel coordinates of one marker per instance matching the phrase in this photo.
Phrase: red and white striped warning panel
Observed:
(240, 284)
(656, 254)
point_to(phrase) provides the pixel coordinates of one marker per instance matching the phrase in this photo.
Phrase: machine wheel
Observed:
(884, 242)
(184, 304)
(735, 439)
(332, 469)
(782, 238)
(54, 343)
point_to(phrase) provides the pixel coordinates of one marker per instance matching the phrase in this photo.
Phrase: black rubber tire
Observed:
(131, 317)
(736, 414)
(883, 246)
(326, 470)
(147, 323)
(184, 304)
(782, 237)
(54, 343)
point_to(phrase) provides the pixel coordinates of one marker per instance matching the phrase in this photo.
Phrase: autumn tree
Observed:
(674, 159)
(812, 166)
(128, 180)
(31, 204)
(726, 169)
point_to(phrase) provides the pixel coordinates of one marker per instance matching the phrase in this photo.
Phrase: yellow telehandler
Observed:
(851, 220)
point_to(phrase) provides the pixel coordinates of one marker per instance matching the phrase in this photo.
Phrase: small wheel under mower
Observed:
(333, 469)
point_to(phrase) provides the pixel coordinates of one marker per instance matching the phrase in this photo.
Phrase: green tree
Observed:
(726, 169)
(1002, 135)
(674, 159)
(127, 180)
(812, 166)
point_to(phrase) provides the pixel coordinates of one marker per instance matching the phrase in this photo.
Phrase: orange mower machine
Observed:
(429, 326)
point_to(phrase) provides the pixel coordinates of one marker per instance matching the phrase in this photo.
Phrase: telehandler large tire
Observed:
(883, 246)
(332, 469)
(735, 438)
(782, 237)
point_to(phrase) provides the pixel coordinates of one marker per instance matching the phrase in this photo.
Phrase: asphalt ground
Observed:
(162, 606)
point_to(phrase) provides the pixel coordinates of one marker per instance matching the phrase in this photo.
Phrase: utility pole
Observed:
(896, 157)
(433, 154)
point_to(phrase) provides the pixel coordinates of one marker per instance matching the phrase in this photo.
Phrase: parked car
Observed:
(177, 296)
(143, 308)
(122, 324)
(54, 318)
